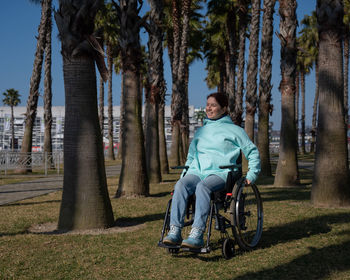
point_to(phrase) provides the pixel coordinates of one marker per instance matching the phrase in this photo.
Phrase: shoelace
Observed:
(196, 233)
(173, 229)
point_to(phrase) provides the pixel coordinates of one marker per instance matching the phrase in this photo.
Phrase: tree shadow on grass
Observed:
(284, 194)
(301, 229)
(161, 194)
(317, 264)
(30, 203)
(127, 221)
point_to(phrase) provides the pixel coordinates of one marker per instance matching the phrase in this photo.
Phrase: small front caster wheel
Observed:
(173, 251)
(228, 248)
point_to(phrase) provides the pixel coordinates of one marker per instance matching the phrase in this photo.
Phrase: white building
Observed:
(58, 113)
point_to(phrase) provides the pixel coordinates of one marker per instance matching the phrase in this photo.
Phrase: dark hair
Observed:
(220, 98)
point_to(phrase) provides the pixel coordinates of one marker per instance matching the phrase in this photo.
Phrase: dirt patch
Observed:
(51, 229)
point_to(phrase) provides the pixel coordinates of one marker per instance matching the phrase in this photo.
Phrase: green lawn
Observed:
(298, 242)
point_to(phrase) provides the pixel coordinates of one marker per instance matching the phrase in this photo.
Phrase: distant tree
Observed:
(133, 177)
(265, 87)
(85, 199)
(304, 64)
(12, 99)
(157, 89)
(200, 115)
(252, 70)
(48, 87)
(106, 21)
(33, 96)
(287, 166)
(243, 19)
(330, 183)
(346, 57)
(309, 33)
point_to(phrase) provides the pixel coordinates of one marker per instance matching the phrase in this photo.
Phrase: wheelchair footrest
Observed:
(203, 250)
(161, 244)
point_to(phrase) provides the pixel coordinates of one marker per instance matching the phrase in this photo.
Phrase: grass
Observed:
(299, 241)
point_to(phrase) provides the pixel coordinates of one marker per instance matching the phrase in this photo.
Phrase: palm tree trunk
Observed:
(176, 98)
(265, 107)
(85, 201)
(48, 89)
(162, 139)
(302, 85)
(230, 61)
(330, 184)
(12, 129)
(346, 77)
(252, 70)
(156, 91)
(297, 90)
(314, 112)
(185, 128)
(133, 179)
(287, 167)
(238, 112)
(110, 103)
(121, 121)
(101, 105)
(32, 101)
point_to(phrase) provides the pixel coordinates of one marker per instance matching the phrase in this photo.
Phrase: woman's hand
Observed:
(247, 181)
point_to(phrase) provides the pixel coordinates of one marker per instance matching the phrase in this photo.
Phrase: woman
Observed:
(217, 142)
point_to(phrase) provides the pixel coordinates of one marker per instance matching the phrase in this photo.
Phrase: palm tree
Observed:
(200, 115)
(265, 87)
(110, 101)
(33, 96)
(101, 103)
(252, 70)
(157, 89)
(304, 65)
(346, 57)
(12, 99)
(330, 184)
(48, 87)
(133, 177)
(309, 33)
(181, 20)
(85, 200)
(106, 21)
(242, 35)
(287, 168)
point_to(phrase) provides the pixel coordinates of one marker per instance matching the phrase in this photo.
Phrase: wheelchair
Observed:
(237, 212)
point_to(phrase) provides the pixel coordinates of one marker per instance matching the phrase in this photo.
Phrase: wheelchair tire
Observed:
(247, 215)
(228, 248)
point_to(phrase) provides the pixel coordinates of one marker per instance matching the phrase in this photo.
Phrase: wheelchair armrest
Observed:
(180, 167)
(231, 166)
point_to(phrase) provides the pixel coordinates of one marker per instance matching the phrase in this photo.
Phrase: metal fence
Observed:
(15, 160)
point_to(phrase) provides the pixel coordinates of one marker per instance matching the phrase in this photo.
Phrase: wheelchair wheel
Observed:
(247, 215)
(228, 248)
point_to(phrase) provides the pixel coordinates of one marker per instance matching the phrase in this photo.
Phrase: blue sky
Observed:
(19, 22)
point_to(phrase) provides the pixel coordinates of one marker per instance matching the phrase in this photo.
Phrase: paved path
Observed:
(18, 191)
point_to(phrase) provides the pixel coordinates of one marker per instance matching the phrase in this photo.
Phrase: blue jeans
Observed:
(192, 184)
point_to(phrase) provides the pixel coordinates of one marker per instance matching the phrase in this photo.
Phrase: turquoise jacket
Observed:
(219, 142)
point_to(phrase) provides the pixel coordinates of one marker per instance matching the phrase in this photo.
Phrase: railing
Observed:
(15, 160)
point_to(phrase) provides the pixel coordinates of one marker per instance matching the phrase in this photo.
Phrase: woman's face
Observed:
(213, 109)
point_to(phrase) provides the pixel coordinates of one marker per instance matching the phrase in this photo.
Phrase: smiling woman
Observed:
(218, 142)
(216, 106)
